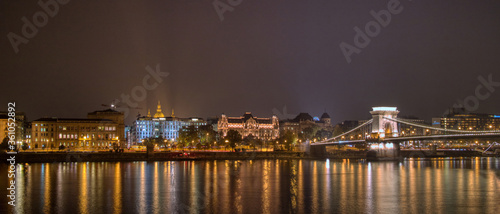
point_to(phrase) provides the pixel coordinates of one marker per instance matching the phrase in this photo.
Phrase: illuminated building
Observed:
(348, 125)
(112, 115)
(409, 130)
(20, 127)
(160, 126)
(305, 120)
(74, 133)
(468, 121)
(261, 128)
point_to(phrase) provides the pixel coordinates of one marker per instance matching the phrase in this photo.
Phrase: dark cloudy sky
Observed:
(264, 55)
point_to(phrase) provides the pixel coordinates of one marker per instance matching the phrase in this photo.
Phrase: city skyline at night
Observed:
(239, 106)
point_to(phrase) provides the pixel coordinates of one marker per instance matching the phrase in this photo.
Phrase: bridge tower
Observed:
(382, 127)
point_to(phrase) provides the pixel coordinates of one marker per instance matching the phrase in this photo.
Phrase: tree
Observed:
(233, 137)
(288, 139)
(5, 144)
(25, 146)
(188, 136)
(151, 142)
(248, 140)
(207, 135)
(309, 133)
(338, 130)
(259, 142)
(252, 141)
(322, 134)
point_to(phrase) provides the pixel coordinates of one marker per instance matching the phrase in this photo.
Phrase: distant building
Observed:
(115, 116)
(305, 120)
(213, 121)
(20, 127)
(128, 138)
(261, 128)
(468, 121)
(27, 133)
(409, 130)
(348, 125)
(74, 133)
(160, 126)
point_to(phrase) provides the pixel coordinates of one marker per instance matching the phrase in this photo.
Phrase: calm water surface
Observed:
(258, 186)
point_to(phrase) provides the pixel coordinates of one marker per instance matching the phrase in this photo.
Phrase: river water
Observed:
(468, 185)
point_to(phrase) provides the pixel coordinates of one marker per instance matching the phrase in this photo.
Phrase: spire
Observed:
(173, 115)
(149, 114)
(158, 111)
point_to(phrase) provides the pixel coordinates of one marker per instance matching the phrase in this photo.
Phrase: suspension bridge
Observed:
(385, 134)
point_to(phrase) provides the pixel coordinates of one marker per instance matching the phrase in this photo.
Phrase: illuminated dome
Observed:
(158, 111)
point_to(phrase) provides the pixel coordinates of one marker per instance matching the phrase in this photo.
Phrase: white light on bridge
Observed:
(384, 108)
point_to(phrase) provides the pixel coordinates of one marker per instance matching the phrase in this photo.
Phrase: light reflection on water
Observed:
(258, 186)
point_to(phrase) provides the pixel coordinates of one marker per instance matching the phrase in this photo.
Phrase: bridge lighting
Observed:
(389, 145)
(385, 108)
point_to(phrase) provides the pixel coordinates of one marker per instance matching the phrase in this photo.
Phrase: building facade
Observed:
(305, 120)
(468, 121)
(160, 126)
(409, 130)
(20, 127)
(113, 115)
(261, 128)
(73, 133)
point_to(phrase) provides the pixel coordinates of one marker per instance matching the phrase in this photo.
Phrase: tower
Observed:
(158, 111)
(382, 126)
(325, 118)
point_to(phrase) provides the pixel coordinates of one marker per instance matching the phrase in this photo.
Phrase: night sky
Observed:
(264, 55)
